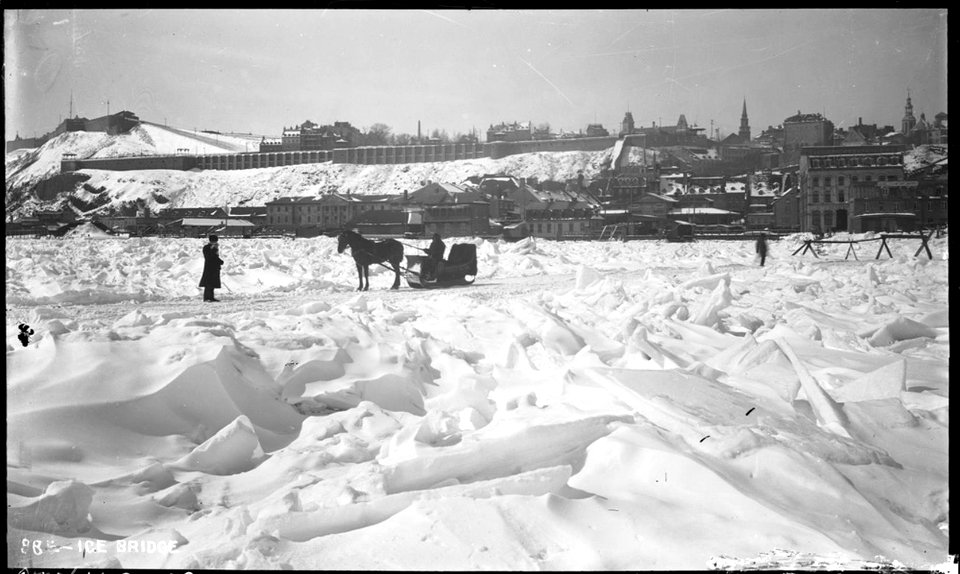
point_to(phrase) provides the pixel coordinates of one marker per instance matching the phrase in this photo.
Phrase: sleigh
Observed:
(460, 268)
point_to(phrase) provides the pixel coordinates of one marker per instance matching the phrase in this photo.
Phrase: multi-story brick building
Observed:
(467, 215)
(564, 223)
(325, 212)
(515, 132)
(681, 134)
(896, 206)
(804, 130)
(290, 139)
(268, 145)
(831, 176)
(310, 136)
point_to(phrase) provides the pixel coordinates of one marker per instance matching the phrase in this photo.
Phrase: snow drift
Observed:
(596, 406)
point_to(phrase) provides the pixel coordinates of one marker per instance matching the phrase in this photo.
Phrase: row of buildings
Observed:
(865, 188)
(309, 136)
(833, 188)
(525, 131)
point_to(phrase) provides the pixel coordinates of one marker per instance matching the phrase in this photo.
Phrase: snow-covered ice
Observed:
(582, 406)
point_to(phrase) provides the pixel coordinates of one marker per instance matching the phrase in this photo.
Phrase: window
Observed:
(840, 196)
(815, 197)
(828, 219)
(815, 181)
(840, 180)
(868, 178)
(826, 181)
(854, 179)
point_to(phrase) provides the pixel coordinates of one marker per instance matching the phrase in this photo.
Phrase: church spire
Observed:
(744, 123)
(908, 122)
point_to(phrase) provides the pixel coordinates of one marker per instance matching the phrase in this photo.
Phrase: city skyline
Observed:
(456, 70)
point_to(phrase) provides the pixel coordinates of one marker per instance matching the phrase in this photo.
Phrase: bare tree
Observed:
(377, 134)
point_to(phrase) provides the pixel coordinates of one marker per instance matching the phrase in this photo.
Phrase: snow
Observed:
(200, 188)
(583, 406)
(31, 166)
(703, 210)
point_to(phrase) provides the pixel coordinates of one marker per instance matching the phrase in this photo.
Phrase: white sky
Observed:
(259, 70)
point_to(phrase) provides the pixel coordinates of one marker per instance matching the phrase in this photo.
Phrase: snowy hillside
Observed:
(27, 167)
(583, 406)
(170, 188)
(256, 186)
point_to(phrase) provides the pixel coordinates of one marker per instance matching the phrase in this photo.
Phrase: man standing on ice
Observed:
(762, 247)
(210, 279)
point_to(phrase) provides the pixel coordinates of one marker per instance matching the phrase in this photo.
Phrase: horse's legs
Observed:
(366, 277)
(396, 272)
(360, 276)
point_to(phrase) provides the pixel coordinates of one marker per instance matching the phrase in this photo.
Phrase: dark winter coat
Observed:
(436, 249)
(762, 245)
(211, 266)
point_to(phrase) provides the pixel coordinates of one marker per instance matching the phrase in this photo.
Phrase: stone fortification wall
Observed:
(370, 155)
(178, 162)
(24, 143)
(497, 150)
(118, 123)
(408, 154)
(229, 161)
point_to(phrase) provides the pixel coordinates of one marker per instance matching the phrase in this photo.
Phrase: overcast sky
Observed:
(260, 70)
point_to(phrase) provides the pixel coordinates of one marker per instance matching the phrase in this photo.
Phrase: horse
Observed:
(366, 251)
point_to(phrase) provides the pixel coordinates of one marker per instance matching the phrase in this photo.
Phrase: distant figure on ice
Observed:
(210, 279)
(762, 246)
(435, 253)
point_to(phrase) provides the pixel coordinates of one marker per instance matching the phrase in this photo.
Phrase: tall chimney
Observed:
(419, 140)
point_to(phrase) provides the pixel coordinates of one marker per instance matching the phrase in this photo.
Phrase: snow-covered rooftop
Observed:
(700, 210)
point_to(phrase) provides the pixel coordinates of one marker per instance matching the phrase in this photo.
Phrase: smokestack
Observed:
(419, 140)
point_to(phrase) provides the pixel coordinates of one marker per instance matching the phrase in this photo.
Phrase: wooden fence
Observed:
(923, 237)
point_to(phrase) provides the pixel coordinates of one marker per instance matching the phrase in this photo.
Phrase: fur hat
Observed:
(213, 239)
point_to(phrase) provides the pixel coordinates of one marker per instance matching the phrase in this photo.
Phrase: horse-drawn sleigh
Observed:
(460, 268)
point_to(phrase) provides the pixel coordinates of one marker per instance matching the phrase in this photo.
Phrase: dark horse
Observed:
(366, 251)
